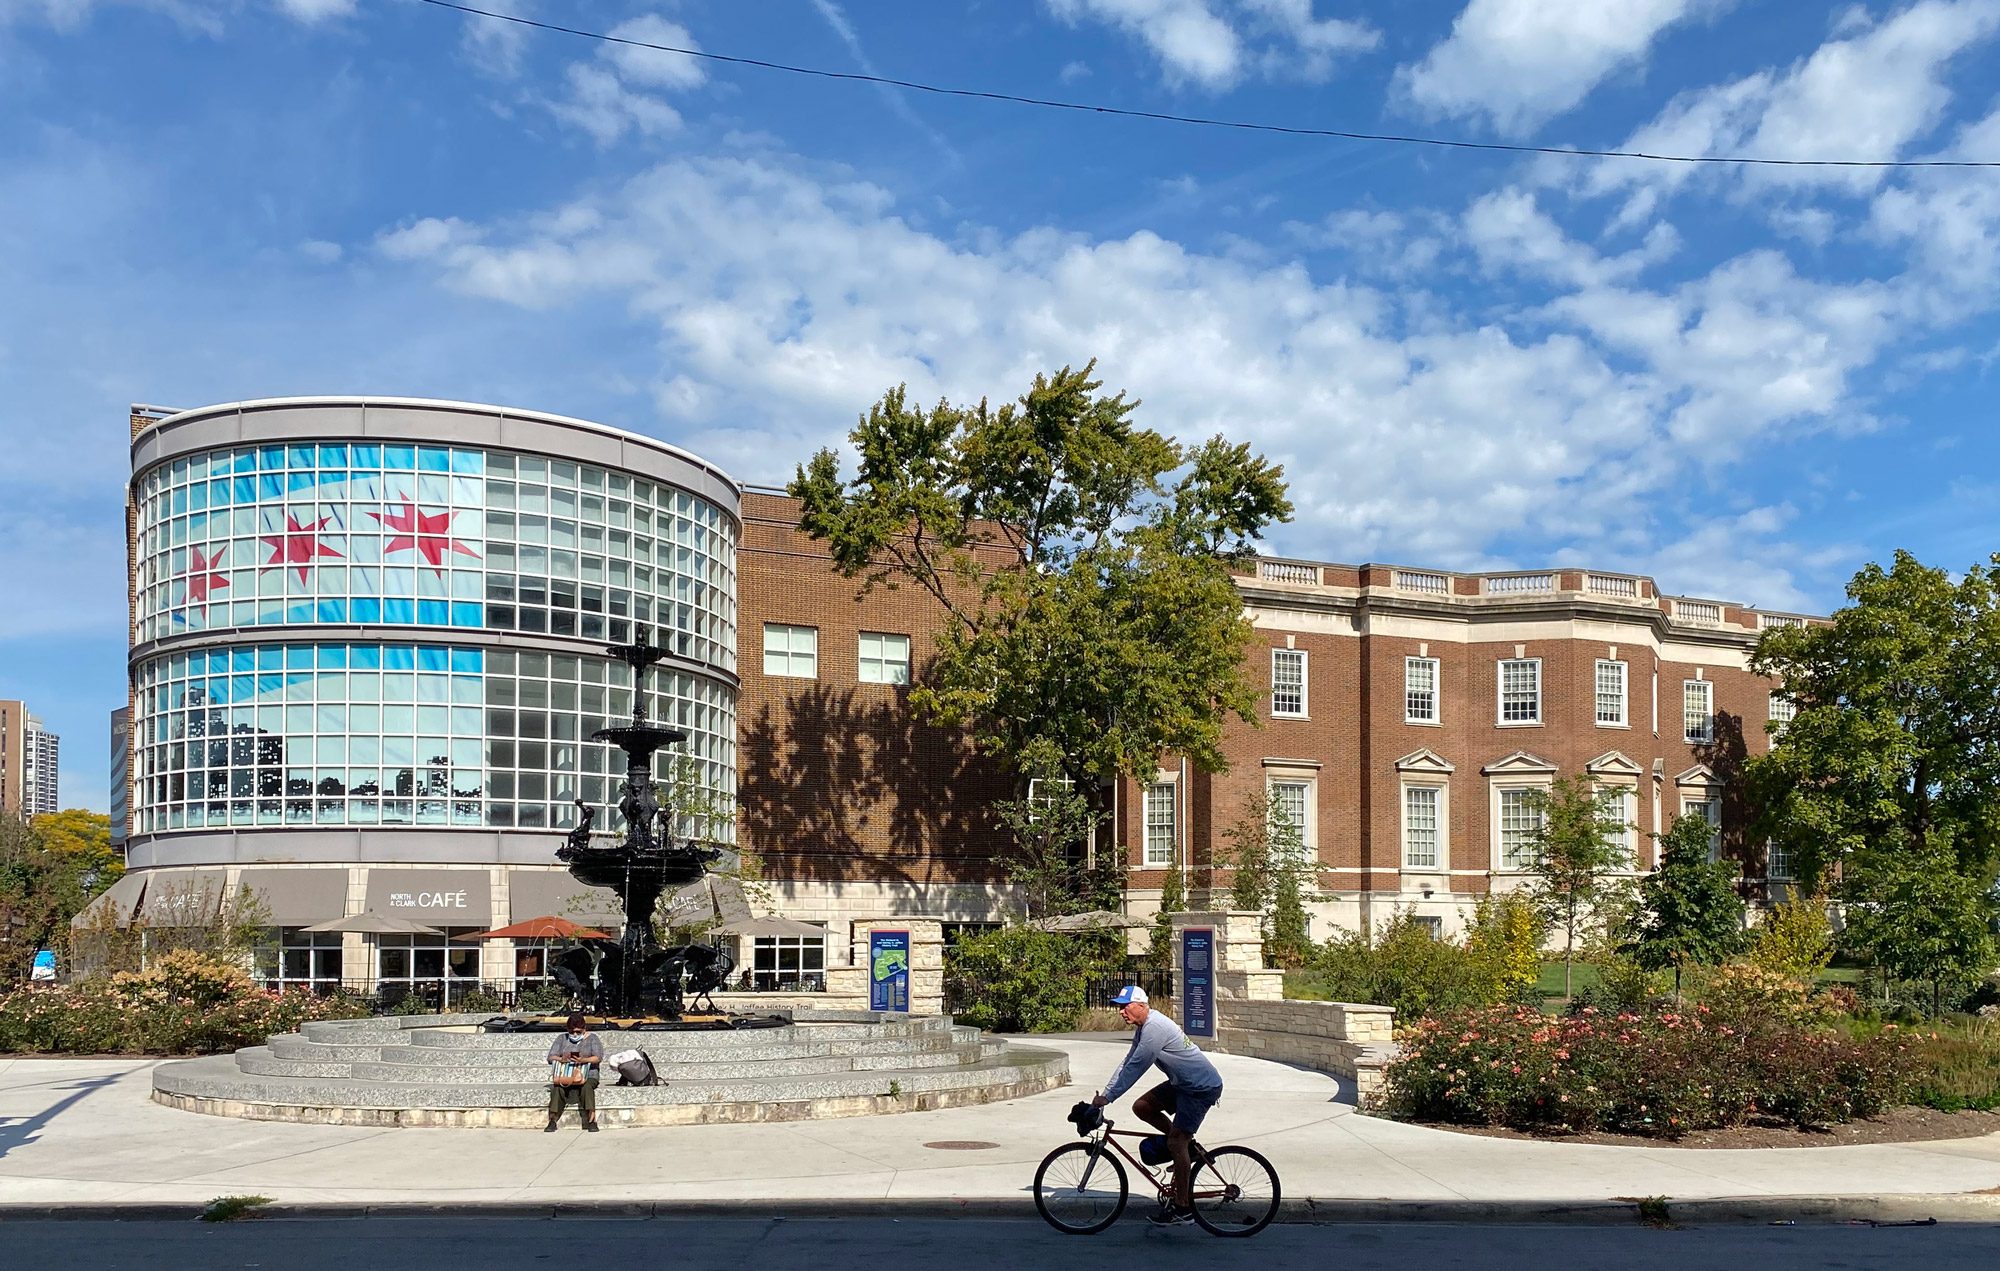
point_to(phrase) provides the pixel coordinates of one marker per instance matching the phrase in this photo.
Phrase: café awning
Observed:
(115, 907)
(295, 897)
(1093, 920)
(439, 897)
(183, 897)
(532, 893)
(773, 926)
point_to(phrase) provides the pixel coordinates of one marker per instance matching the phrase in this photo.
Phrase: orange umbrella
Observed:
(545, 928)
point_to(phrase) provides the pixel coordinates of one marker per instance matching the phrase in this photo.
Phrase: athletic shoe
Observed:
(550, 1128)
(590, 1127)
(1171, 1216)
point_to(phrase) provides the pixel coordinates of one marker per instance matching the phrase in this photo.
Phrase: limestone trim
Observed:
(1425, 761)
(1613, 763)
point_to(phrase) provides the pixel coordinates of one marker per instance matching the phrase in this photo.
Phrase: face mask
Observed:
(576, 1037)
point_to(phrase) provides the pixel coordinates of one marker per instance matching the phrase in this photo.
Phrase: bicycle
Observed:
(1235, 1190)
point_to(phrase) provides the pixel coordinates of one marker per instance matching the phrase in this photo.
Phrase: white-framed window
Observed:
(1422, 826)
(1621, 803)
(1611, 712)
(1698, 710)
(1420, 690)
(885, 658)
(1521, 691)
(1778, 861)
(790, 650)
(1710, 810)
(1161, 829)
(1291, 806)
(796, 963)
(1783, 711)
(1520, 818)
(1288, 683)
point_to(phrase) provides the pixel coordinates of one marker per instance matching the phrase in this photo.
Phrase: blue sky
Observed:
(1745, 382)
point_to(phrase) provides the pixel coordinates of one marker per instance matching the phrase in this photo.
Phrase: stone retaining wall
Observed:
(1344, 1038)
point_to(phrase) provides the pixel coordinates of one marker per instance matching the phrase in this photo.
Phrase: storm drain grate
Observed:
(961, 1145)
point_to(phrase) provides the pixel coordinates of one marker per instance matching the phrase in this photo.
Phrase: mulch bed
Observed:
(1898, 1125)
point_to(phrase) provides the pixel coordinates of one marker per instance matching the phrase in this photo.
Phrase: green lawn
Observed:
(1582, 976)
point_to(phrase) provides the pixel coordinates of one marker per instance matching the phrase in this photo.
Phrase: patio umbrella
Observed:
(544, 928)
(374, 924)
(770, 927)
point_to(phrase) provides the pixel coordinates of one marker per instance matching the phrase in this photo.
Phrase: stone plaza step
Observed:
(442, 1070)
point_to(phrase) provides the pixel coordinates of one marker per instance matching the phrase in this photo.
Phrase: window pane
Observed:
(1288, 810)
(1288, 682)
(1420, 827)
(1160, 825)
(1521, 691)
(1611, 692)
(1420, 701)
(1518, 823)
(1696, 696)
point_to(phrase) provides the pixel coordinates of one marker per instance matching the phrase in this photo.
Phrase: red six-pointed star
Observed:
(299, 545)
(429, 535)
(200, 579)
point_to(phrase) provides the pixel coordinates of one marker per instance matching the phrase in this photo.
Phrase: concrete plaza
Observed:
(85, 1132)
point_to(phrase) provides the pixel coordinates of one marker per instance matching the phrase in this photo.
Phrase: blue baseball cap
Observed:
(1129, 994)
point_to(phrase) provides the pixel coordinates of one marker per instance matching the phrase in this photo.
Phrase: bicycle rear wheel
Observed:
(1235, 1192)
(1080, 1191)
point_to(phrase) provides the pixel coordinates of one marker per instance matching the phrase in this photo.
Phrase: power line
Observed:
(1202, 121)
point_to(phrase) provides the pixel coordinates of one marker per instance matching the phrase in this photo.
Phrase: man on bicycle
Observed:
(1192, 1087)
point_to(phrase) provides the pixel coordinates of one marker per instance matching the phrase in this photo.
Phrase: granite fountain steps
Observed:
(441, 1071)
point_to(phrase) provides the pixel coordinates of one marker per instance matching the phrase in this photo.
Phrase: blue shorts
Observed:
(1187, 1107)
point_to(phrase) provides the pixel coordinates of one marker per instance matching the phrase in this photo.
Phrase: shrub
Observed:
(1506, 945)
(1022, 980)
(476, 1001)
(1656, 1073)
(1405, 966)
(1743, 993)
(544, 998)
(1957, 1062)
(1795, 939)
(185, 1003)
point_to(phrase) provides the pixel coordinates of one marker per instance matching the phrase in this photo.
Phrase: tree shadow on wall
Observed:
(835, 787)
(1726, 753)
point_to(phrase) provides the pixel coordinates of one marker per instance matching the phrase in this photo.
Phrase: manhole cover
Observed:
(961, 1145)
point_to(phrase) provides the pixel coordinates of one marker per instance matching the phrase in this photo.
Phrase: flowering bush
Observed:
(1657, 1073)
(184, 1003)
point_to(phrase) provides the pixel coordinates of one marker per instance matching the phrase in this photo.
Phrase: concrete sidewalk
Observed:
(85, 1132)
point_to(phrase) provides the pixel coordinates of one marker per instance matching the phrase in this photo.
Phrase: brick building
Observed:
(1408, 715)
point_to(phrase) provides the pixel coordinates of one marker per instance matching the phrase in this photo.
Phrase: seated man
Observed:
(577, 1046)
(1192, 1087)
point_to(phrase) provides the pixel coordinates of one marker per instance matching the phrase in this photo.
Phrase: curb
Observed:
(1803, 1210)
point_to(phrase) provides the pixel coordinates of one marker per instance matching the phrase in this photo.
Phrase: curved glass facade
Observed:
(429, 536)
(252, 708)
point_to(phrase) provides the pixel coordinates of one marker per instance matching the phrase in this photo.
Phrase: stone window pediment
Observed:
(1612, 763)
(1519, 764)
(1425, 760)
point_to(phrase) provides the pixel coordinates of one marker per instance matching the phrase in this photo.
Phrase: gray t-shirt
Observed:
(1160, 1042)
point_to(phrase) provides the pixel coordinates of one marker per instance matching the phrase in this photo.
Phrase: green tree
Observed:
(47, 876)
(1173, 900)
(1689, 911)
(1285, 940)
(1574, 862)
(1080, 564)
(1019, 979)
(1922, 919)
(1795, 938)
(1051, 866)
(1505, 941)
(1895, 744)
(1247, 855)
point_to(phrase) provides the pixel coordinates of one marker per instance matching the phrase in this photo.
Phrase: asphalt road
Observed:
(731, 1244)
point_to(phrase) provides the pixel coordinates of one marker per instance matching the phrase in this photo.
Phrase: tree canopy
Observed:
(1689, 911)
(1081, 564)
(49, 870)
(1896, 739)
(1575, 861)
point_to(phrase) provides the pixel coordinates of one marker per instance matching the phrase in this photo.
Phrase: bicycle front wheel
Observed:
(1081, 1190)
(1235, 1192)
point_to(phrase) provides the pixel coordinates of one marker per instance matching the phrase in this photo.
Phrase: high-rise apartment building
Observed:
(29, 762)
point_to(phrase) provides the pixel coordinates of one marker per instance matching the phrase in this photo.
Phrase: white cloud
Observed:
(607, 97)
(495, 46)
(1868, 95)
(319, 251)
(1520, 63)
(1511, 234)
(1212, 43)
(311, 11)
(785, 303)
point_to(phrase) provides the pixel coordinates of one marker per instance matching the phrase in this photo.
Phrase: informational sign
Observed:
(888, 970)
(434, 897)
(1198, 982)
(45, 965)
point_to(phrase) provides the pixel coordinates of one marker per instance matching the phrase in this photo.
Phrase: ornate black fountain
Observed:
(635, 976)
